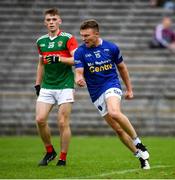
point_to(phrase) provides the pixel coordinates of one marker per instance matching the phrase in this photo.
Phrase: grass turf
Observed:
(88, 158)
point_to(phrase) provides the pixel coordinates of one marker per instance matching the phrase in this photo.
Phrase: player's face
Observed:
(90, 37)
(52, 22)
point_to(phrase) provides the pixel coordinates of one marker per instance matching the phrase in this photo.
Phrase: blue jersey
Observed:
(99, 65)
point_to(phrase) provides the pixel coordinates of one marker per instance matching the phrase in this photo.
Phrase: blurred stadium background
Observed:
(129, 23)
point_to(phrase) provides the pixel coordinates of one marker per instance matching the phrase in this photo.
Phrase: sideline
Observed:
(120, 172)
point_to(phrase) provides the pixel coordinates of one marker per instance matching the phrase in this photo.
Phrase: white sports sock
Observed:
(136, 141)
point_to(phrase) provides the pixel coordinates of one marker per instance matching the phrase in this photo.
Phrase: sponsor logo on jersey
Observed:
(101, 68)
(102, 62)
(100, 108)
(90, 64)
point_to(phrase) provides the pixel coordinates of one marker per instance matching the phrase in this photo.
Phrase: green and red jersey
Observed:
(59, 75)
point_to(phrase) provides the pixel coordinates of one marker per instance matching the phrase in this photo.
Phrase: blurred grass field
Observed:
(88, 158)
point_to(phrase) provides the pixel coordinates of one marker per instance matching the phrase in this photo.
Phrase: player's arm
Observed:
(124, 73)
(79, 77)
(39, 75)
(79, 67)
(68, 60)
(72, 45)
(52, 59)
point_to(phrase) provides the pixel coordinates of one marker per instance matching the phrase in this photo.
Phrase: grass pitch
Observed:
(88, 158)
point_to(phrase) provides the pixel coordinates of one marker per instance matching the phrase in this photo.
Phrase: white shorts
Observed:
(100, 103)
(52, 96)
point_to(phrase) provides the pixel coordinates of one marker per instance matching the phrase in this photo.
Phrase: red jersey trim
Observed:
(72, 44)
(63, 53)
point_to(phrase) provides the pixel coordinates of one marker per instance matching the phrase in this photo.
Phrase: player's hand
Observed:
(81, 82)
(52, 59)
(129, 95)
(37, 89)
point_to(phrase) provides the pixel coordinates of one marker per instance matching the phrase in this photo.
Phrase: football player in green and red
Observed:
(55, 84)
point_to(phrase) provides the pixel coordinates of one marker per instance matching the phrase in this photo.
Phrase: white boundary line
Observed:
(120, 172)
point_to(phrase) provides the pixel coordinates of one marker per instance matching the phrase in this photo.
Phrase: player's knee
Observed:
(63, 124)
(40, 121)
(119, 131)
(115, 114)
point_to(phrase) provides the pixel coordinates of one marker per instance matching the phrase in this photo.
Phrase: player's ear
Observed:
(60, 21)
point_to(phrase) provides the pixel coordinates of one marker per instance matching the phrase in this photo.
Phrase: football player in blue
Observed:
(96, 62)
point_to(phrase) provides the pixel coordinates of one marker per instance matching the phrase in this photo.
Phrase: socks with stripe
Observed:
(49, 148)
(63, 156)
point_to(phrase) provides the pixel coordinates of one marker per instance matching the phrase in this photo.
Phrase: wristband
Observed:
(37, 89)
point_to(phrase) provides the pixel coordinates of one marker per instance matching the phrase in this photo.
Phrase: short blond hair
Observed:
(90, 24)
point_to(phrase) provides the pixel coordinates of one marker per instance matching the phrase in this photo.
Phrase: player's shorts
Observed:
(52, 96)
(100, 103)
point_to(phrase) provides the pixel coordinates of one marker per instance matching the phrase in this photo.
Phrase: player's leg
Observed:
(65, 131)
(109, 102)
(113, 108)
(42, 112)
(65, 98)
(126, 139)
(44, 105)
